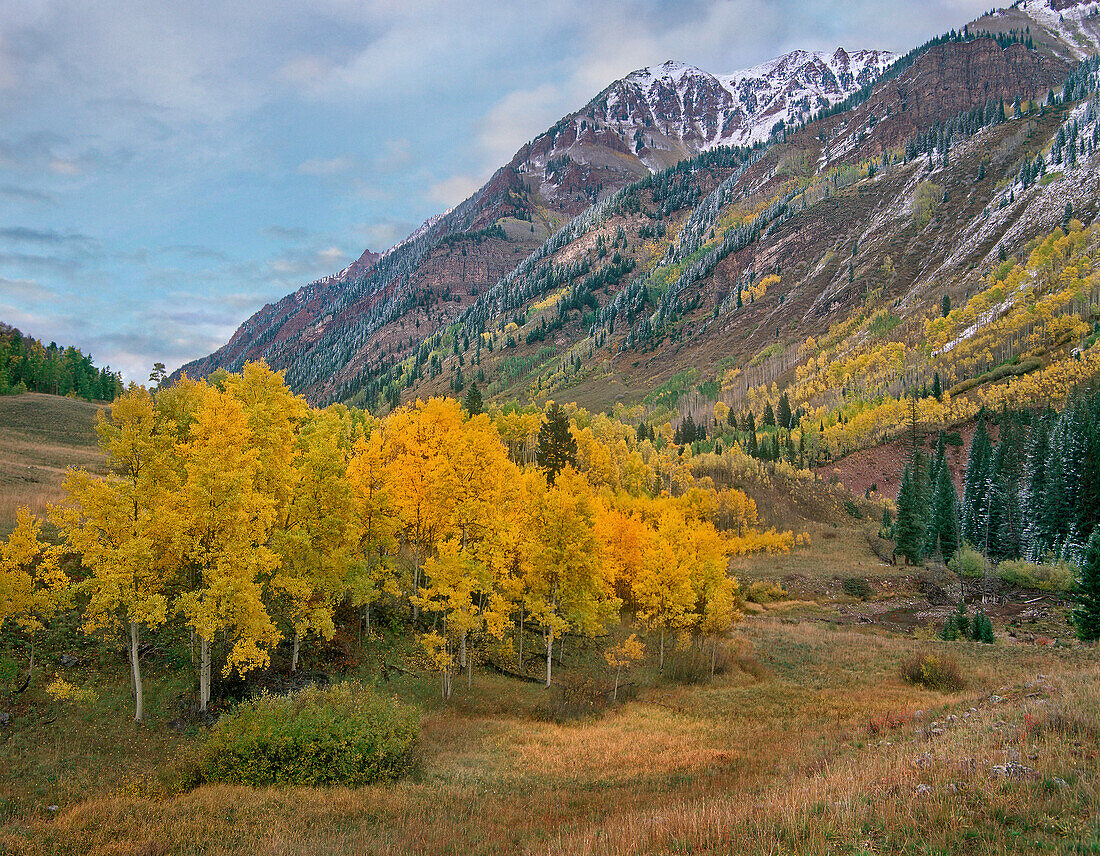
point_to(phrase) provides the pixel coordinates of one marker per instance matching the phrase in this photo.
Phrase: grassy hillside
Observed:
(40, 437)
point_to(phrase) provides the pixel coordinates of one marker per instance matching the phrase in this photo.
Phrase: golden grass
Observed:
(822, 751)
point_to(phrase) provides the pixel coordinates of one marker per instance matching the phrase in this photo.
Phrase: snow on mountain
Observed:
(685, 104)
(1076, 24)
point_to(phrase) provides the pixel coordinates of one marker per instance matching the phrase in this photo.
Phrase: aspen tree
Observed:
(416, 441)
(315, 537)
(376, 523)
(32, 586)
(119, 525)
(221, 527)
(567, 584)
(663, 589)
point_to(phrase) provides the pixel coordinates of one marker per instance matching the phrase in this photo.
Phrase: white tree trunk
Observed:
(549, 653)
(520, 646)
(135, 671)
(294, 653)
(462, 651)
(204, 674)
(662, 666)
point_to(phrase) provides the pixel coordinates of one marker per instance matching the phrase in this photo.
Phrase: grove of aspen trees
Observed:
(238, 518)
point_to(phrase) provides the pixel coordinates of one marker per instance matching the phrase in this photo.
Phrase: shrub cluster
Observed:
(763, 591)
(857, 587)
(934, 671)
(339, 735)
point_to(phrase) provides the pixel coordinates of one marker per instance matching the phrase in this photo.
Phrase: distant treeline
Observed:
(26, 365)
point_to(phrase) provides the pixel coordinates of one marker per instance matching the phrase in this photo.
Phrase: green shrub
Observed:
(763, 591)
(857, 587)
(968, 562)
(1056, 576)
(934, 671)
(982, 628)
(343, 734)
(853, 509)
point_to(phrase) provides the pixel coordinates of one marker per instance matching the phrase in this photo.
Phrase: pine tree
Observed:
(945, 305)
(961, 619)
(909, 530)
(769, 415)
(975, 491)
(783, 414)
(1086, 614)
(945, 511)
(557, 447)
(473, 403)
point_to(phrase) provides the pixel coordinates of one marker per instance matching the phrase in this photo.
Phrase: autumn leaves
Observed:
(238, 516)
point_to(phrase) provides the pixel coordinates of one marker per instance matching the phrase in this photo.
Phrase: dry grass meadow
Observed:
(40, 437)
(811, 743)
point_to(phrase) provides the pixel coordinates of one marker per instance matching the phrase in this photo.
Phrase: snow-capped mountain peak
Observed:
(676, 104)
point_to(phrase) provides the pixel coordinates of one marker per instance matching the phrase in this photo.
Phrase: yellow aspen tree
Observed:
(119, 526)
(416, 439)
(316, 538)
(663, 589)
(222, 524)
(625, 539)
(376, 524)
(273, 413)
(715, 590)
(32, 585)
(453, 581)
(567, 584)
(623, 656)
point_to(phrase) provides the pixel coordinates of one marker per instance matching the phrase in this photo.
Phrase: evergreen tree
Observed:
(945, 305)
(769, 415)
(945, 515)
(473, 403)
(909, 530)
(783, 413)
(975, 490)
(937, 387)
(961, 619)
(557, 447)
(1086, 614)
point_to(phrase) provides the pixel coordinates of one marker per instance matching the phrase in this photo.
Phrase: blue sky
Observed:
(167, 167)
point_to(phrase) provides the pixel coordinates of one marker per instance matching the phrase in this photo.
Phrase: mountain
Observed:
(730, 267)
(328, 333)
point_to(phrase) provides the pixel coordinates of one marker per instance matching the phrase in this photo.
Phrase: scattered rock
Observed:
(1060, 782)
(1000, 723)
(5, 718)
(51, 808)
(69, 660)
(1013, 755)
(922, 789)
(995, 699)
(1013, 770)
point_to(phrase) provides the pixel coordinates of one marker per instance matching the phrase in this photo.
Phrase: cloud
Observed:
(450, 191)
(331, 166)
(27, 289)
(21, 234)
(286, 233)
(395, 155)
(512, 120)
(382, 235)
(26, 194)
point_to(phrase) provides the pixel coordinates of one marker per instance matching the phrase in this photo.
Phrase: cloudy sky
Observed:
(167, 167)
